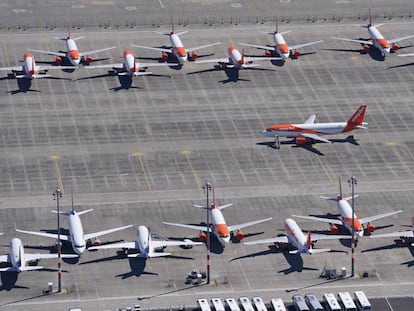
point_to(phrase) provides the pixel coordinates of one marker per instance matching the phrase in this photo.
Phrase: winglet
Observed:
(356, 120)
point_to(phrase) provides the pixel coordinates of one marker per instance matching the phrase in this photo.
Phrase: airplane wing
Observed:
(100, 233)
(128, 245)
(315, 250)
(311, 119)
(253, 59)
(401, 39)
(117, 66)
(49, 52)
(214, 60)
(376, 217)
(152, 48)
(4, 258)
(406, 55)
(165, 243)
(32, 257)
(327, 220)
(96, 51)
(12, 68)
(279, 239)
(317, 237)
(315, 137)
(150, 255)
(193, 227)
(298, 46)
(42, 67)
(354, 40)
(248, 224)
(263, 47)
(202, 46)
(45, 234)
(405, 234)
(21, 269)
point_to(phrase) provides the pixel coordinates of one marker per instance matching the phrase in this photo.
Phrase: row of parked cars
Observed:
(342, 302)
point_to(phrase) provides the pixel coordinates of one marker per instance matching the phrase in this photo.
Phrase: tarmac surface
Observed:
(138, 152)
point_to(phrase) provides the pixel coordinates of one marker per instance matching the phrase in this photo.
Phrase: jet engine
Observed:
(394, 47)
(164, 56)
(202, 236)
(56, 245)
(193, 55)
(296, 53)
(365, 48)
(370, 227)
(58, 60)
(95, 242)
(300, 140)
(333, 228)
(239, 235)
(267, 53)
(89, 59)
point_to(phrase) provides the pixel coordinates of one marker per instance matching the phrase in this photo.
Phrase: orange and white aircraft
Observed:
(297, 238)
(29, 69)
(177, 48)
(346, 216)
(72, 54)
(405, 236)
(281, 47)
(377, 39)
(313, 131)
(129, 67)
(219, 227)
(236, 59)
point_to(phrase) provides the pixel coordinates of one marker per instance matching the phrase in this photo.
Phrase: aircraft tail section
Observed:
(356, 120)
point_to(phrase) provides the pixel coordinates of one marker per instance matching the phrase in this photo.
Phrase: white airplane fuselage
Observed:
(220, 228)
(346, 216)
(295, 130)
(29, 64)
(16, 253)
(143, 240)
(129, 62)
(72, 52)
(177, 48)
(76, 233)
(378, 40)
(281, 46)
(296, 236)
(235, 57)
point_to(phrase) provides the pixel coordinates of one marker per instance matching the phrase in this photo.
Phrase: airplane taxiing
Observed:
(346, 216)
(236, 59)
(281, 47)
(177, 48)
(405, 236)
(218, 225)
(146, 246)
(16, 260)
(309, 131)
(72, 53)
(76, 236)
(29, 69)
(129, 67)
(377, 39)
(297, 238)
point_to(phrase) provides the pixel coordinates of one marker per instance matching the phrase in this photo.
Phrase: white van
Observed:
(233, 305)
(299, 303)
(246, 304)
(203, 304)
(259, 304)
(313, 302)
(218, 304)
(330, 302)
(278, 305)
(345, 299)
(362, 301)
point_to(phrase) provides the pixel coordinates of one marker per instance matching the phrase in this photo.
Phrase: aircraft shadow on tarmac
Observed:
(397, 244)
(24, 85)
(231, 73)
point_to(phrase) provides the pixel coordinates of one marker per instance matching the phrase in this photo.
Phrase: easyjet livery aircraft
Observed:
(310, 131)
(406, 235)
(377, 39)
(281, 47)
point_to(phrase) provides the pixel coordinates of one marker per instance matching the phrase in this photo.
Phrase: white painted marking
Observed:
(131, 8)
(78, 6)
(236, 5)
(19, 10)
(284, 1)
(342, 1)
(162, 6)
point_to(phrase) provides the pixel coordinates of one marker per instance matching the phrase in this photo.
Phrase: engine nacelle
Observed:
(370, 227)
(88, 60)
(296, 53)
(95, 242)
(239, 235)
(395, 47)
(202, 236)
(58, 60)
(334, 229)
(365, 48)
(194, 55)
(300, 140)
(267, 53)
(164, 56)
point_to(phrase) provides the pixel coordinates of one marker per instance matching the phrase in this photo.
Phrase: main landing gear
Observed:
(277, 142)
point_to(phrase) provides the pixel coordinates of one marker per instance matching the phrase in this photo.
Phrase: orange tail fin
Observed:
(356, 119)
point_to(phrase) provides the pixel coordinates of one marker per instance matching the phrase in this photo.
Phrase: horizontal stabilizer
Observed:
(319, 250)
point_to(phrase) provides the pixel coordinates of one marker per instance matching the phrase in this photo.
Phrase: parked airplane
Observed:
(146, 246)
(310, 130)
(281, 47)
(377, 39)
(219, 227)
(177, 48)
(16, 259)
(405, 236)
(72, 53)
(236, 59)
(297, 238)
(29, 69)
(346, 216)
(76, 236)
(129, 67)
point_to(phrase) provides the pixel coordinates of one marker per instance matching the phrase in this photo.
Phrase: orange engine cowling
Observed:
(194, 55)
(202, 236)
(370, 227)
(96, 242)
(58, 60)
(296, 53)
(239, 235)
(365, 48)
(395, 47)
(334, 229)
(267, 53)
(88, 60)
(164, 56)
(300, 140)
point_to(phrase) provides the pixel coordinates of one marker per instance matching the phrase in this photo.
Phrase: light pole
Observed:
(352, 182)
(207, 187)
(56, 196)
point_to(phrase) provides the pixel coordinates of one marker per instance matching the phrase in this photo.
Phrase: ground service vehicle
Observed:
(259, 304)
(203, 304)
(246, 304)
(218, 304)
(233, 305)
(331, 304)
(313, 302)
(362, 301)
(278, 304)
(345, 300)
(299, 303)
